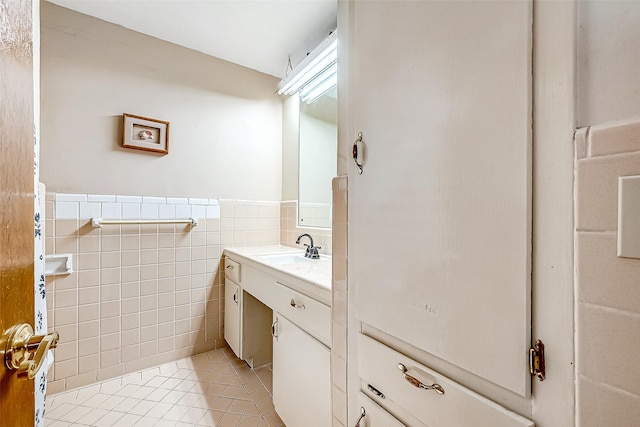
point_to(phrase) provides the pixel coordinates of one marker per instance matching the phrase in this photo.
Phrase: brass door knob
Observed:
(26, 352)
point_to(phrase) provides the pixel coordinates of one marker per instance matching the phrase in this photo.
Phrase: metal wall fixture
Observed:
(316, 74)
(99, 222)
(355, 152)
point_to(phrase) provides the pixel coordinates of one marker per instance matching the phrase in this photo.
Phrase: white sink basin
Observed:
(287, 259)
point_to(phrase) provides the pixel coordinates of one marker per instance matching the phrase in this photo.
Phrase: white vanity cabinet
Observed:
(268, 304)
(246, 320)
(301, 376)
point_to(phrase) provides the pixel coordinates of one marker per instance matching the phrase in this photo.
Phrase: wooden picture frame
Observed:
(143, 133)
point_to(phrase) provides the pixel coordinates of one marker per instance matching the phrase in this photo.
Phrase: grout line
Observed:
(591, 231)
(611, 310)
(138, 383)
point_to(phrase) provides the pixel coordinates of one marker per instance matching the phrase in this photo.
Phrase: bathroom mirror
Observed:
(317, 159)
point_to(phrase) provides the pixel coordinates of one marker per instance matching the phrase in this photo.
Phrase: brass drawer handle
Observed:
(417, 383)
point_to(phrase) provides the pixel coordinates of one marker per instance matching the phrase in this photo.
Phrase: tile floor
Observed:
(209, 389)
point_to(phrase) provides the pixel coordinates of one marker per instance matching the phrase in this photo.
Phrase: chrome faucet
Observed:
(311, 251)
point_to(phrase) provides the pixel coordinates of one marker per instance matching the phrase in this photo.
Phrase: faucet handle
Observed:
(313, 253)
(307, 251)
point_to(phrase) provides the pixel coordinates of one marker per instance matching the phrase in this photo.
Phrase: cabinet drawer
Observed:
(374, 415)
(315, 317)
(458, 406)
(232, 269)
(309, 314)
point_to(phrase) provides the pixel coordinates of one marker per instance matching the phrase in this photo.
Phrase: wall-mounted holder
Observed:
(99, 222)
(629, 216)
(58, 264)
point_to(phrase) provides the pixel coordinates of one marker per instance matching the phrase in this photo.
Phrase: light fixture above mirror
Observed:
(314, 75)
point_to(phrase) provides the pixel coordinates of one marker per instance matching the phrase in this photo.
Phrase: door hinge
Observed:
(536, 360)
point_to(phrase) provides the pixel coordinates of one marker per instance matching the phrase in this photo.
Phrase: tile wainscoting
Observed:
(289, 230)
(141, 295)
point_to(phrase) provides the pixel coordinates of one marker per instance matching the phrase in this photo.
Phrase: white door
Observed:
(440, 219)
(232, 294)
(17, 405)
(301, 376)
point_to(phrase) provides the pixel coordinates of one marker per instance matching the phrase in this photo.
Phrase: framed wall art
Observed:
(143, 133)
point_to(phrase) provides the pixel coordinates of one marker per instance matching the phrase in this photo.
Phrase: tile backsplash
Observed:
(607, 286)
(289, 230)
(142, 295)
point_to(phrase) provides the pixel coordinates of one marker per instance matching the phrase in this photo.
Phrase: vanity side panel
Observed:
(257, 345)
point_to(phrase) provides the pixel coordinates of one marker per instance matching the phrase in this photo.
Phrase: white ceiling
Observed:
(258, 34)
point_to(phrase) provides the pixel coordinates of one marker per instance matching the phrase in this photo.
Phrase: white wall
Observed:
(226, 120)
(608, 61)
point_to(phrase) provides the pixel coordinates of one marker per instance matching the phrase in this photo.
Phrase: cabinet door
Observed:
(440, 219)
(301, 376)
(232, 307)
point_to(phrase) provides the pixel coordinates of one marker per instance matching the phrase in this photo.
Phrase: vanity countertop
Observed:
(312, 277)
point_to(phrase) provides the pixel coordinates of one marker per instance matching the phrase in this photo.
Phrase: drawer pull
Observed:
(229, 267)
(417, 383)
(235, 297)
(293, 304)
(362, 414)
(375, 391)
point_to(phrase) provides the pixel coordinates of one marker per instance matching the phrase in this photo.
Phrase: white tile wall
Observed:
(101, 198)
(129, 199)
(67, 210)
(178, 200)
(156, 200)
(109, 210)
(131, 211)
(142, 294)
(71, 197)
(87, 206)
(607, 287)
